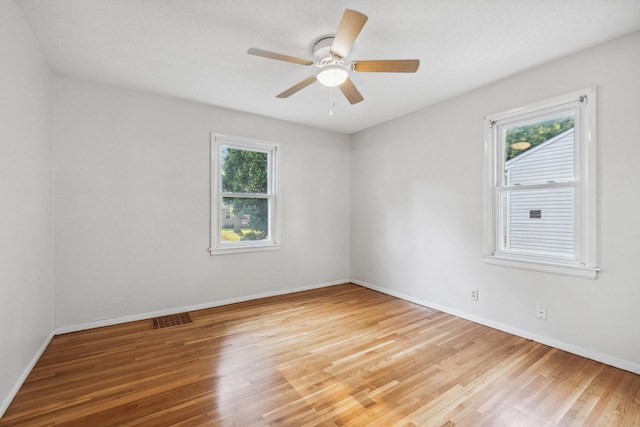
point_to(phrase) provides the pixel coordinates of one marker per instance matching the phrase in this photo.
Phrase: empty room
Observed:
(362, 213)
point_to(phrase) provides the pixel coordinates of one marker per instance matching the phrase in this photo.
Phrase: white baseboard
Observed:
(142, 316)
(16, 387)
(580, 351)
(604, 358)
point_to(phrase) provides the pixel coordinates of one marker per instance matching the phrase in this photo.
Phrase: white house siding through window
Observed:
(542, 221)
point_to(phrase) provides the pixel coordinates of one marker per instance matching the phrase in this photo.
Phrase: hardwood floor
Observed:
(343, 355)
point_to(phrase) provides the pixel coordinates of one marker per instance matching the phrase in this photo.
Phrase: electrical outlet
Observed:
(541, 312)
(474, 294)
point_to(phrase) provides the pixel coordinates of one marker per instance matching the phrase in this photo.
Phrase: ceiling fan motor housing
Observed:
(322, 51)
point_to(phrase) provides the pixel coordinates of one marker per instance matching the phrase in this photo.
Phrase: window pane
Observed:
(243, 171)
(539, 222)
(249, 219)
(540, 152)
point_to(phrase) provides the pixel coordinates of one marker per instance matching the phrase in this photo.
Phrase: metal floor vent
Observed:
(171, 320)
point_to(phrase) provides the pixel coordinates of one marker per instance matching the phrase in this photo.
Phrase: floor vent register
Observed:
(171, 320)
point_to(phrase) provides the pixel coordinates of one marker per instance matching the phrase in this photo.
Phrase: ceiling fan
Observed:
(329, 59)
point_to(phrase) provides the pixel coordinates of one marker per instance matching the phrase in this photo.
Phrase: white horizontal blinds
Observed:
(538, 193)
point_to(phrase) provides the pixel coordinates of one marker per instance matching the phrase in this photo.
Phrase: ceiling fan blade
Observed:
(350, 92)
(348, 30)
(295, 88)
(278, 56)
(387, 66)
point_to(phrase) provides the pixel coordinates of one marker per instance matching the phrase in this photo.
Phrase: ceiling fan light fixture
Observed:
(332, 75)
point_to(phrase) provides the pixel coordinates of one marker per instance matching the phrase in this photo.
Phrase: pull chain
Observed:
(332, 101)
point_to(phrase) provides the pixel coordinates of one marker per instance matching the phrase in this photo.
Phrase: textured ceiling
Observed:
(196, 49)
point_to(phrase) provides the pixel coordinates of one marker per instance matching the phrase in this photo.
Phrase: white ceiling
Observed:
(196, 49)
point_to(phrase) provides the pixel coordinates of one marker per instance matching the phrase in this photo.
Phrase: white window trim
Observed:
(273, 243)
(587, 190)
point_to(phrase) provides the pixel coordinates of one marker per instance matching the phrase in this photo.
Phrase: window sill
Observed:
(543, 266)
(244, 249)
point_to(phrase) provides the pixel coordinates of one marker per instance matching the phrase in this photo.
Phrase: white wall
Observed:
(416, 186)
(26, 201)
(132, 206)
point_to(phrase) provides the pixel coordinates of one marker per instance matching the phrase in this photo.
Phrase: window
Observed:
(244, 197)
(540, 186)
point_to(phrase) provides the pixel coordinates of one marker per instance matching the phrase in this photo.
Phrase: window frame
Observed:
(272, 150)
(585, 183)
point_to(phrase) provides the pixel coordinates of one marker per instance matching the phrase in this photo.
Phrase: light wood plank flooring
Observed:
(342, 355)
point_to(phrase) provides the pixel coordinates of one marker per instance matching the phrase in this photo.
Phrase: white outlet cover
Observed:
(541, 312)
